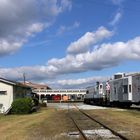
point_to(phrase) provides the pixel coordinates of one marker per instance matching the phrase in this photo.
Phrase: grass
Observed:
(46, 124)
(126, 122)
(18, 126)
(50, 123)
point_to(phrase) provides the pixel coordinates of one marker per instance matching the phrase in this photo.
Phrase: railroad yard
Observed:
(68, 121)
(70, 70)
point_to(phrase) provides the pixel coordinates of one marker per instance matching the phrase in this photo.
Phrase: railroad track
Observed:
(81, 133)
(86, 119)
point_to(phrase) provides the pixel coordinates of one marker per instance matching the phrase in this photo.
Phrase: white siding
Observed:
(136, 88)
(130, 91)
(7, 99)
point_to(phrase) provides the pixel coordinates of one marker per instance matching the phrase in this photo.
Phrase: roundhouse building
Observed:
(42, 91)
(62, 94)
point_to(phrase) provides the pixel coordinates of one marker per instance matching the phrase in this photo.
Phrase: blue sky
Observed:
(68, 43)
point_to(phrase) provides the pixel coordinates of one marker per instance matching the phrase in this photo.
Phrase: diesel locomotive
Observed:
(122, 90)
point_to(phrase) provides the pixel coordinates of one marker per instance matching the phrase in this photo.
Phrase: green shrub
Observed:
(22, 106)
(36, 101)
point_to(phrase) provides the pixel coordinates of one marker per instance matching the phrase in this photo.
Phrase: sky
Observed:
(68, 43)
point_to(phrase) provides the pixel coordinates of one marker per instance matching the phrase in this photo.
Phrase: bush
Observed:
(36, 101)
(22, 106)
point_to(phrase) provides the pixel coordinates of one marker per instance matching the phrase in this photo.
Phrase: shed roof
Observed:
(7, 81)
(13, 83)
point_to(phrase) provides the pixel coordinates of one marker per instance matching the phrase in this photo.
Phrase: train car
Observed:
(56, 97)
(96, 94)
(123, 90)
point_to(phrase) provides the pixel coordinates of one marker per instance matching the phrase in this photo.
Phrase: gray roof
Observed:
(7, 81)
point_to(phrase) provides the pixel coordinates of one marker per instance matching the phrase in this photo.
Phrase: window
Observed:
(125, 89)
(138, 89)
(101, 86)
(115, 90)
(3, 92)
(130, 88)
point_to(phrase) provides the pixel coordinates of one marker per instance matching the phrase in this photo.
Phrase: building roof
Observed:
(7, 81)
(35, 85)
(13, 83)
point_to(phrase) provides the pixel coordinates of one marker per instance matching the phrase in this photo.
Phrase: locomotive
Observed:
(122, 91)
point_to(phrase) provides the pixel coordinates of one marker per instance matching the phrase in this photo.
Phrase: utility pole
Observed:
(24, 78)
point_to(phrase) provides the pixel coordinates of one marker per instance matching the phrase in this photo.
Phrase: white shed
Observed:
(9, 91)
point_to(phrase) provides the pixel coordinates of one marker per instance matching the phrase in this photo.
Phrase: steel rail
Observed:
(114, 132)
(74, 122)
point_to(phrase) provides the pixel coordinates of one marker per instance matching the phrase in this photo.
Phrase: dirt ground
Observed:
(53, 123)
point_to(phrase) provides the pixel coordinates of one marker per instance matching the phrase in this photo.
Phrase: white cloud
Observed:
(104, 56)
(82, 44)
(118, 15)
(21, 19)
(34, 28)
(66, 4)
(78, 83)
(32, 73)
(107, 55)
(39, 73)
(117, 2)
(116, 19)
(62, 29)
(9, 47)
(81, 81)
